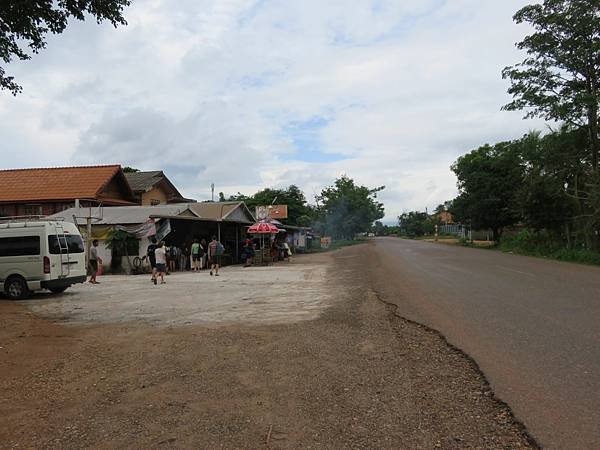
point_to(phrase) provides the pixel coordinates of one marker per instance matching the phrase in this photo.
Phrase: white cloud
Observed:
(206, 90)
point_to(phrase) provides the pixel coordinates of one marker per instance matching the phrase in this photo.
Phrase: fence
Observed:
(464, 232)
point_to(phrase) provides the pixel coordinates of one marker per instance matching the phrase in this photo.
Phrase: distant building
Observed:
(45, 191)
(446, 218)
(154, 188)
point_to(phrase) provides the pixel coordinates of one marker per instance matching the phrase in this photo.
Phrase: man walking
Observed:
(215, 251)
(161, 262)
(94, 259)
(152, 258)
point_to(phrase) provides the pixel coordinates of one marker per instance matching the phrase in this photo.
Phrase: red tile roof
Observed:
(56, 183)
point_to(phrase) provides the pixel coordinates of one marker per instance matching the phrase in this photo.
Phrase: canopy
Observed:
(263, 228)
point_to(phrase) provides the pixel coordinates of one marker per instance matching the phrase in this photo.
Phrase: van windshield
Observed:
(72, 241)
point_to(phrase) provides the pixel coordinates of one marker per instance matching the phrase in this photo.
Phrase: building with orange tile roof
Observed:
(45, 191)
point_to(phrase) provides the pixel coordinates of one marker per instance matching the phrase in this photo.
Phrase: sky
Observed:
(249, 94)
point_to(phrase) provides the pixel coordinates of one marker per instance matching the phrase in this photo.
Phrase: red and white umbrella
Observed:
(263, 228)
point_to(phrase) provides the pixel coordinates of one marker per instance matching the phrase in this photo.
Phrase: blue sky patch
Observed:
(306, 137)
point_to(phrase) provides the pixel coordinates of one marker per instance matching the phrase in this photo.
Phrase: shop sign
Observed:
(271, 212)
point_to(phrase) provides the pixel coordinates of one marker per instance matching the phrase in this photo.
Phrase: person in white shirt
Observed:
(161, 262)
(94, 261)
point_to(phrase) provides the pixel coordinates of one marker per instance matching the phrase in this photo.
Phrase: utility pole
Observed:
(212, 190)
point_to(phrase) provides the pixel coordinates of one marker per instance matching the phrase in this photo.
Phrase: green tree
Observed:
(415, 223)
(346, 208)
(380, 229)
(299, 211)
(128, 169)
(121, 243)
(489, 180)
(559, 78)
(27, 22)
(555, 173)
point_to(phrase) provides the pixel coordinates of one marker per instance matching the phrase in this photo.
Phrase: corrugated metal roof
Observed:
(122, 215)
(216, 211)
(143, 181)
(213, 210)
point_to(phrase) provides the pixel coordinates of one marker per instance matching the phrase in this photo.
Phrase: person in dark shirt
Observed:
(151, 257)
(247, 253)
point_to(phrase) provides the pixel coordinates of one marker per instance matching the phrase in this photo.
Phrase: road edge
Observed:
(393, 310)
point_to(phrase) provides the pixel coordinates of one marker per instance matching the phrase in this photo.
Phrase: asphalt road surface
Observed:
(532, 325)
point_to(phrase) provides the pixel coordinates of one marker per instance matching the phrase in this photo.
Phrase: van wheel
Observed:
(58, 290)
(16, 288)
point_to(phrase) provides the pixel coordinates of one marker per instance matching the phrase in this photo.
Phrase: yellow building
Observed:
(154, 188)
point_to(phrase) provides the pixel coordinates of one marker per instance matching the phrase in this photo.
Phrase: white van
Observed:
(39, 254)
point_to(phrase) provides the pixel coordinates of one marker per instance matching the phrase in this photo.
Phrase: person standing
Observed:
(215, 252)
(161, 262)
(196, 256)
(173, 257)
(203, 260)
(94, 260)
(185, 257)
(247, 253)
(152, 258)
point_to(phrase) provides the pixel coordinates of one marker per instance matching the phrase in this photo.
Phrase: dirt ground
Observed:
(352, 375)
(259, 295)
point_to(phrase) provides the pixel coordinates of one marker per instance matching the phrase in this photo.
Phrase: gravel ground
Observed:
(259, 295)
(357, 376)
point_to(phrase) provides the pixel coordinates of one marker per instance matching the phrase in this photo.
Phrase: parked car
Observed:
(39, 254)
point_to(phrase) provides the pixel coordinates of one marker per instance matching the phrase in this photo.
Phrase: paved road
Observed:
(532, 325)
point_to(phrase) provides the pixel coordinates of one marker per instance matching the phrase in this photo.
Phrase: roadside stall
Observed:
(262, 229)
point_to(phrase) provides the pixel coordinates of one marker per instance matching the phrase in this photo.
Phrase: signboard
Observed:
(163, 229)
(278, 212)
(271, 212)
(262, 213)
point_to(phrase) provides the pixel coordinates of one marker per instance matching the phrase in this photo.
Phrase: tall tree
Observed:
(27, 22)
(489, 180)
(347, 208)
(554, 177)
(559, 78)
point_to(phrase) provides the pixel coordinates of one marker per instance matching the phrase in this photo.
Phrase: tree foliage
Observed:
(540, 182)
(559, 78)
(346, 208)
(25, 24)
(415, 224)
(488, 182)
(554, 173)
(300, 213)
(380, 229)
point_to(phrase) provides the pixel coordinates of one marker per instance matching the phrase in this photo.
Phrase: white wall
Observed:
(106, 253)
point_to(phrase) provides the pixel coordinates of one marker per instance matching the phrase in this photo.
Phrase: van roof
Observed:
(20, 223)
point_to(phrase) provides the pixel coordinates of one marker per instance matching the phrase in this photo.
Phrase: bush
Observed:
(542, 243)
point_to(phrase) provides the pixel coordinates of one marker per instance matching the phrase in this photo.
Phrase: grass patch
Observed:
(337, 244)
(543, 245)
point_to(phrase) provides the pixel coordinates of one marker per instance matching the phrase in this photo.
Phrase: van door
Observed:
(66, 254)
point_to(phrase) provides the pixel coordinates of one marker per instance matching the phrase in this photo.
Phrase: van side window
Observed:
(20, 246)
(72, 241)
